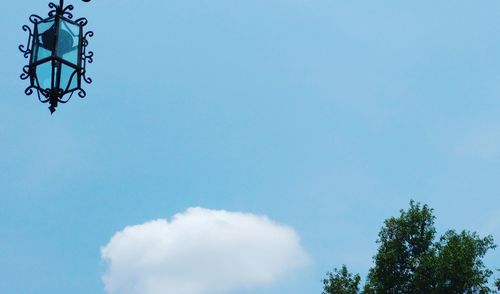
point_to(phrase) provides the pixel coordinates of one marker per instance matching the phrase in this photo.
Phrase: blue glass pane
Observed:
(44, 75)
(44, 41)
(45, 25)
(68, 77)
(42, 53)
(68, 42)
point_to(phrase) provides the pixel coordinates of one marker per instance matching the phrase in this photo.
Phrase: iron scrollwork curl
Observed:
(35, 19)
(64, 101)
(87, 80)
(89, 57)
(66, 11)
(27, 50)
(86, 57)
(28, 91)
(61, 10)
(26, 72)
(81, 93)
(55, 9)
(82, 21)
(46, 93)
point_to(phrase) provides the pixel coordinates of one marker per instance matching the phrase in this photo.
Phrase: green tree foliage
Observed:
(410, 260)
(405, 253)
(341, 282)
(459, 267)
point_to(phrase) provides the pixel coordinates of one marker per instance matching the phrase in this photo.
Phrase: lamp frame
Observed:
(57, 93)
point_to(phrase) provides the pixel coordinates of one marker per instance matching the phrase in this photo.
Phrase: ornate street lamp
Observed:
(57, 52)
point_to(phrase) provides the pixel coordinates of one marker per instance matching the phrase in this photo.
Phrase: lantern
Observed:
(57, 56)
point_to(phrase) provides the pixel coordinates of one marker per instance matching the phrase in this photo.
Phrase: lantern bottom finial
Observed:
(53, 103)
(52, 109)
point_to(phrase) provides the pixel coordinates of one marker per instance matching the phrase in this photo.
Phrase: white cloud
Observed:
(200, 251)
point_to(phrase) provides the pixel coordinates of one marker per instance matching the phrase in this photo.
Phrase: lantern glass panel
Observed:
(44, 75)
(68, 43)
(44, 41)
(69, 78)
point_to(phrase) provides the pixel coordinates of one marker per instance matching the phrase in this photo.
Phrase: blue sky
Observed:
(327, 116)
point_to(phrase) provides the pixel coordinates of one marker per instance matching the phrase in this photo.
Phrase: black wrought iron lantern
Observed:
(57, 52)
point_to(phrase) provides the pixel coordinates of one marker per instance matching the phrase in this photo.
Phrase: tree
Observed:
(410, 261)
(341, 282)
(405, 253)
(459, 267)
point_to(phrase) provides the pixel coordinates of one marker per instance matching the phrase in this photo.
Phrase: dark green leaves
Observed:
(459, 267)
(341, 282)
(405, 253)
